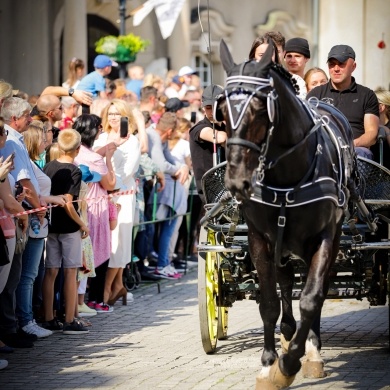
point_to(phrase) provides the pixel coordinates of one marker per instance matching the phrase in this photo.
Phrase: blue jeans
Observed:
(167, 229)
(24, 293)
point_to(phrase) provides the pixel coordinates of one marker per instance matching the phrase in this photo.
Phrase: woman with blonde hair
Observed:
(315, 77)
(125, 162)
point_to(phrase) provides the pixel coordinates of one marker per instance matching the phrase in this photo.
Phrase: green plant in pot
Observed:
(123, 48)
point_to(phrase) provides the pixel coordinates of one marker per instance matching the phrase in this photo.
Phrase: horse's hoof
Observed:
(284, 343)
(313, 369)
(275, 380)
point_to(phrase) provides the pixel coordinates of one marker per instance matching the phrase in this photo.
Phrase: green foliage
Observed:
(123, 48)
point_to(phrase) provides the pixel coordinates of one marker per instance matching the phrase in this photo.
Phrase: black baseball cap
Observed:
(341, 53)
(210, 94)
(175, 104)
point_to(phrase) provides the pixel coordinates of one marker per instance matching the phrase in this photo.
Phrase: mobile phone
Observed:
(12, 156)
(193, 117)
(124, 129)
(18, 188)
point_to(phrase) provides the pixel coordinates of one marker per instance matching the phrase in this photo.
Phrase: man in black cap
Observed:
(358, 103)
(203, 135)
(297, 54)
(176, 105)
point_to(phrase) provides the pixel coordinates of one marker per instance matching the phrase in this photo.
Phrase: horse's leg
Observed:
(270, 377)
(288, 325)
(312, 299)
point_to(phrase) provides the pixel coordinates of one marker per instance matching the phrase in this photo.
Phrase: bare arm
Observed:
(70, 210)
(81, 97)
(31, 195)
(108, 181)
(59, 200)
(207, 134)
(142, 136)
(371, 125)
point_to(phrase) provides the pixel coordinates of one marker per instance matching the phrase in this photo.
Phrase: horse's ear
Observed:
(267, 56)
(226, 57)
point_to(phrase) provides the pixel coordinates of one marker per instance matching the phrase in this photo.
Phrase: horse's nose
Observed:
(239, 186)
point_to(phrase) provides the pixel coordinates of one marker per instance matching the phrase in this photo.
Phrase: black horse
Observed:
(290, 164)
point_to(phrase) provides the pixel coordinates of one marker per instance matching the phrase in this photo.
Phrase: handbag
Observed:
(43, 231)
(21, 240)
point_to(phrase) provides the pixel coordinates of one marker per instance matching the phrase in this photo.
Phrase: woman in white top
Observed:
(125, 162)
(35, 141)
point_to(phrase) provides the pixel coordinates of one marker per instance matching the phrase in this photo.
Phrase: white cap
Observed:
(186, 70)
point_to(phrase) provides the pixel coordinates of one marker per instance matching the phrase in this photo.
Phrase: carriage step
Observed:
(370, 245)
(219, 248)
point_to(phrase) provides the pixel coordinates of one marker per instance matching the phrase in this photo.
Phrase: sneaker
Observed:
(166, 273)
(86, 311)
(74, 327)
(54, 325)
(176, 271)
(33, 328)
(103, 308)
(3, 364)
(91, 304)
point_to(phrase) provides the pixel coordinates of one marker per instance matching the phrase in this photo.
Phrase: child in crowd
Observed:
(94, 82)
(88, 268)
(66, 231)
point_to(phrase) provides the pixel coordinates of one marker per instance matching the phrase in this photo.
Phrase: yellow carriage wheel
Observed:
(208, 292)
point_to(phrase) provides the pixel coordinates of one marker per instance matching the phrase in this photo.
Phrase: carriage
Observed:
(295, 201)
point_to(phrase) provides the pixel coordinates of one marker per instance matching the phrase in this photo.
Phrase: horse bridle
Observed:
(234, 87)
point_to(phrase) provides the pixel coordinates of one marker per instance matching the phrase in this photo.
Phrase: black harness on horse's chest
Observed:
(312, 187)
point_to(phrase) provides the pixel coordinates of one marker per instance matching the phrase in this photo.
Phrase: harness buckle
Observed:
(281, 221)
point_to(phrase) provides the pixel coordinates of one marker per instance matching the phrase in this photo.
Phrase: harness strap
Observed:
(279, 236)
(243, 142)
(271, 164)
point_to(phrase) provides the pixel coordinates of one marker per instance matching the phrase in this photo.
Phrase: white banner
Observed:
(167, 12)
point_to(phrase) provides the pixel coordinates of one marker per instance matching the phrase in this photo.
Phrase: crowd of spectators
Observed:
(82, 166)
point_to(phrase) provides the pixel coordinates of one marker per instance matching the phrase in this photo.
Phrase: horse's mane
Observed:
(285, 74)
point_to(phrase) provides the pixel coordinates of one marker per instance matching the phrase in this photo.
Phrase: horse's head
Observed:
(244, 108)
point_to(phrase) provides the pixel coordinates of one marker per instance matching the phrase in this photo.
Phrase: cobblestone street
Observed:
(154, 343)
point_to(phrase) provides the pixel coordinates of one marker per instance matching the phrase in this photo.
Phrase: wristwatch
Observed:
(71, 91)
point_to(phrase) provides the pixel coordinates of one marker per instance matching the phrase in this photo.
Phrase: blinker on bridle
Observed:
(253, 88)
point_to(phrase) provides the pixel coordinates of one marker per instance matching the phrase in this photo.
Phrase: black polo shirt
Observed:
(202, 151)
(354, 102)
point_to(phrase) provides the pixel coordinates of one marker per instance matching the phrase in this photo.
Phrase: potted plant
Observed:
(123, 48)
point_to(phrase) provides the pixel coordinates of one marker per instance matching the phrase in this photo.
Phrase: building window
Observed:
(202, 66)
